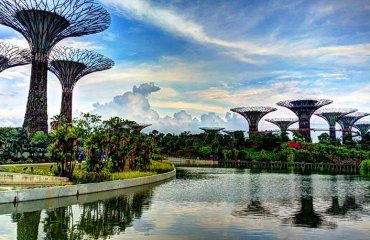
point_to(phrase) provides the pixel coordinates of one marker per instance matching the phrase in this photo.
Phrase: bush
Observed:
(93, 177)
(365, 167)
(160, 167)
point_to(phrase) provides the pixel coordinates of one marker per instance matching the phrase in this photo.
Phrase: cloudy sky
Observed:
(207, 56)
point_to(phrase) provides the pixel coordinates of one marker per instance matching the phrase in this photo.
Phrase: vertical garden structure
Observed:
(12, 56)
(282, 123)
(70, 65)
(138, 127)
(44, 23)
(253, 115)
(304, 108)
(346, 123)
(331, 115)
(363, 127)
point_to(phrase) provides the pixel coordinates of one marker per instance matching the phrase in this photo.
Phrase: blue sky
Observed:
(210, 56)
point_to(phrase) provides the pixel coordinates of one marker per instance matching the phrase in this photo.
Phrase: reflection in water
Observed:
(27, 225)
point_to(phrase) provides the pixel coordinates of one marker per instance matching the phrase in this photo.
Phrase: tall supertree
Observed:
(283, 123)
(70, 65)
(304, 108)
(44, 23)
(12, 56)
(138, 127)
(346, 123)
(331, 115)
(363, 127)
(253, 115)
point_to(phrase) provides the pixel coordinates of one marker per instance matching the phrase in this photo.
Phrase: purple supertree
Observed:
(253, 115)
(12, 56)
(70, 65)
(346, 123)
(304, 108)
(44, 23)
(331, 115)
(282, 123)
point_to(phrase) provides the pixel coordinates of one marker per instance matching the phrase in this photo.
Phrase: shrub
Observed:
(160, 167)
(365, 167)
(93, 177)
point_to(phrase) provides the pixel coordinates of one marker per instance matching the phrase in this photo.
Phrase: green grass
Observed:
(131, 174)
(36, 170)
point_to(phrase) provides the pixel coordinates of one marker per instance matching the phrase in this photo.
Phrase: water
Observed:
(204, 203)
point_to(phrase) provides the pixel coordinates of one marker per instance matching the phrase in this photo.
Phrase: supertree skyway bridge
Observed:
(70, 65)
(304, 108)
(12, 56)
(253, 115)
(282, 123)
(346, 123)
(138, 127)
(331, 116)
(363, 127)
(44, 23)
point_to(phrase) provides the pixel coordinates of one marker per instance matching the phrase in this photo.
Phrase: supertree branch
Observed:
(363, 127)
(282, 123)
(44, 23)
(304, 108)
(331, 115)
(12, 56)
(253, 115)
(346, 123)
(70, 65)
(138, 127)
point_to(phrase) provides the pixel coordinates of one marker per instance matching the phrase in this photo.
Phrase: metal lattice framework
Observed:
(70, 65)
(138, 127)
(44, 23)
(253, 115)
(12, 56)
(363, 127)
(331, 115)
(282, 123)
(304, 108)
(211, 129)
(346, 123)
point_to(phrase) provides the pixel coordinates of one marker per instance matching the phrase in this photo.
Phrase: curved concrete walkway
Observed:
(79, 189)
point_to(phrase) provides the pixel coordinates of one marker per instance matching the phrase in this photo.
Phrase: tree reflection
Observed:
(27, 225)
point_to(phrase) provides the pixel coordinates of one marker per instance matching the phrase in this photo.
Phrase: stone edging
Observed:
(79, 189)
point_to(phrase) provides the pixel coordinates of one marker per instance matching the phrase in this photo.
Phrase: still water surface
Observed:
(204, 203)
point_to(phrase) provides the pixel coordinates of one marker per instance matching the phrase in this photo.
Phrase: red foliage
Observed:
(295, 145)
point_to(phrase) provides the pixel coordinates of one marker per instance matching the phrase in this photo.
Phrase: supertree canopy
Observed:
(211, 129)
(346, 123)
(331, 115)
(231, 132)
(70, 65)
(253, 115)
(363, 127)
(44, 23)
(282, 123)
(140, 126)
(12, 56)
(304, 108)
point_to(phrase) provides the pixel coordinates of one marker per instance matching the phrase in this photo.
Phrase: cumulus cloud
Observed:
(134, 105)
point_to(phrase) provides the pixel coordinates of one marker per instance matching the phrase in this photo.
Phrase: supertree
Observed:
(331, 115)
(138, 127)
(304, 108)
(211, 129)
(253, 115)
(363, 127)
(70, 65)
(44, 23)
(282, 123)
(12, 56)
(346, 123)
(232, 132)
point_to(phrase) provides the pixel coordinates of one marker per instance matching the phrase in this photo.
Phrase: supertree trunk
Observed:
(36, 117)
(66, 105)
(304, 124)
(333, 135)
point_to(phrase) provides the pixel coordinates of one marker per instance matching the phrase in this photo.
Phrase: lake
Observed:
(204, 203)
